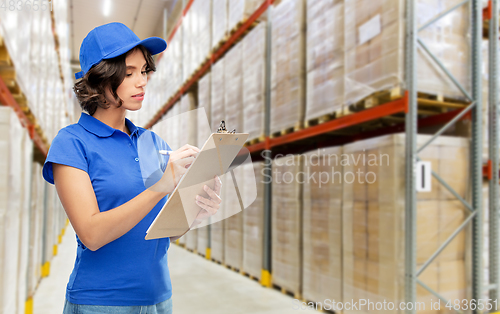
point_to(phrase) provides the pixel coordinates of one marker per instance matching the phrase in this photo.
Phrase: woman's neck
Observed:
(114, 117)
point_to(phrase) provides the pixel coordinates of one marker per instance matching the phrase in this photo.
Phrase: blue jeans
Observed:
(160, 308)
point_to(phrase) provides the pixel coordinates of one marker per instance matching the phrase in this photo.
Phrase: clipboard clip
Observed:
(222, 128)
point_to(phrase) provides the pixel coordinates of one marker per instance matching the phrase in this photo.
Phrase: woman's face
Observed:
(132, 90)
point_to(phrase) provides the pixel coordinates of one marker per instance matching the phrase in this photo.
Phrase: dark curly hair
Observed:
(109, 73)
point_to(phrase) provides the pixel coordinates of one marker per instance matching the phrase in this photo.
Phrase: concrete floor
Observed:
(199, 286)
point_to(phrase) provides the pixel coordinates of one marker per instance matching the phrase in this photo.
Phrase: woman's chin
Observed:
(134, 107)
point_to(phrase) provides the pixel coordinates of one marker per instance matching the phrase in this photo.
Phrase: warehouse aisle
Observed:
(49, 296)
(199, 286)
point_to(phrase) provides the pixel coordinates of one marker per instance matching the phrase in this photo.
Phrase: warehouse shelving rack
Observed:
(476, 211)
(15, 98)
(26, 117)
(492, 14)
(407, 105)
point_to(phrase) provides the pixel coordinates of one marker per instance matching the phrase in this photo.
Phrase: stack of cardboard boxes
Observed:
(286, 223)
(373, 220)
(254, 79)
(288, 65)
(322, 229)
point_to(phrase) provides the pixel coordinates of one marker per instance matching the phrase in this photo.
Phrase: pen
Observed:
(165, 151)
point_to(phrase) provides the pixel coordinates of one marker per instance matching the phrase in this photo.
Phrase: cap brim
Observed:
(154, 45)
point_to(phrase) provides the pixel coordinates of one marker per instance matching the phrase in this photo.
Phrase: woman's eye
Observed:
(144, 72)
(129, 74)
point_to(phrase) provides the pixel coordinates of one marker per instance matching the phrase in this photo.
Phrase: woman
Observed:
(96, 170)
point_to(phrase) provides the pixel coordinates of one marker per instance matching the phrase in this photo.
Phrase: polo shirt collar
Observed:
(101, 129)
(132, 128)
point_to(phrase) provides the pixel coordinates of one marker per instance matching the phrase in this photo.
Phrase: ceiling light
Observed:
(107, 8)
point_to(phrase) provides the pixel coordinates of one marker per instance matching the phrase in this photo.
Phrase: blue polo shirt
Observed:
(129, 270)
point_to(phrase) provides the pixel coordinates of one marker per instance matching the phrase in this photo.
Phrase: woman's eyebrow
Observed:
(133, 67)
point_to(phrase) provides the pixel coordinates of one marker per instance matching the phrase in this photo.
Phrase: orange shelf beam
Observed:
(7, 99)
(392, 107)
(215, 56)
(488, 12)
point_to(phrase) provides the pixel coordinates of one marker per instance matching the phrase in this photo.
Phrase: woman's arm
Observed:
(95, 228)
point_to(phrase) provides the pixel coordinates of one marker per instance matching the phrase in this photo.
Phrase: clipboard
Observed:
(179, 212)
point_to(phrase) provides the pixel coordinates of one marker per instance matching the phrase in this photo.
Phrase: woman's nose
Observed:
(143, 80)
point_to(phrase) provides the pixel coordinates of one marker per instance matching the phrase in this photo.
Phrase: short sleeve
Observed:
(66, 149)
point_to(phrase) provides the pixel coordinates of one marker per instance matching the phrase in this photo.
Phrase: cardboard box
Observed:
(217, 95)
(373, 223)
(288, 65)
(322, 225)
(286, 220)
(253, 224)
(254, 54)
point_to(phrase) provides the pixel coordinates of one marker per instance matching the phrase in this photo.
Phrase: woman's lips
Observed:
(139, 96)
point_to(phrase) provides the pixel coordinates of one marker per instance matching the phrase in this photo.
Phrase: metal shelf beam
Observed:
(397, 106)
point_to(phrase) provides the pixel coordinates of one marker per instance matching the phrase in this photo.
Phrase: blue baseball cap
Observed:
(112, 40)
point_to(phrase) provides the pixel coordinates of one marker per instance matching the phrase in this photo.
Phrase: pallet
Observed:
(8, 74)
(232, 268)
(250, 276)
(428, 104)
(5, 59)
(319, 120)
(439, 103)
(204, 62)
(296, 295)
(376, 98)
(256, 140)
(231, 32)
(240, 24)
(217, 261)
(220, 43)
(345, 111)
(298, 126)
(191, 250)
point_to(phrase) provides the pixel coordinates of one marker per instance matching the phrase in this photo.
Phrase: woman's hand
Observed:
(178, 163)
(211, 205)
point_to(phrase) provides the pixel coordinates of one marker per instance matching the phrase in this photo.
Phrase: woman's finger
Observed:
(217, 185)
(187, 147)
(184, 162)
(210, 202)
(186, 153)
(214, 196)
(209, 209)
(210, 205)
